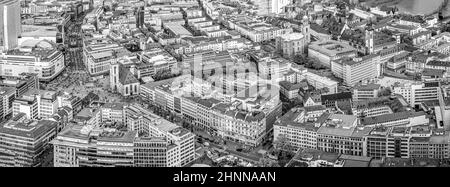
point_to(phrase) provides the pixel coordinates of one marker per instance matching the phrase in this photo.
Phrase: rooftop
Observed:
(28, 128)
(390, 117)
(331, 47)
(339, 124)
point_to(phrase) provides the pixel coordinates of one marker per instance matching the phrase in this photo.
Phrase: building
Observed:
(255, 30)
(291, 44)
(123, 80)
(295, 130)
(26, 105)
(320, 82)
(22, 83)
(78, 146)
(294, 43)
(333, 100)
(378, 106)
(144, 122)
(7, 96)
(416, 93)
(407, 142)
(10, 25)
(330, 50)
(365, 92)
(98, 53)
(246, 117)
(357, 70)
(33, 56)
(112, 112)
(153, 61)
(36, 104)
(271, 7)
(442, 113)
(402, 119)
(289, 90)
(24, 142)
(152, 144)
(340, 134)
(398, 62)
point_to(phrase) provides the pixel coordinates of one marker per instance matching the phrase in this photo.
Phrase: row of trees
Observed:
(308, 62)
(164, 74)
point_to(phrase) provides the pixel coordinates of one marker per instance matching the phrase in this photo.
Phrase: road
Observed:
(74, 45)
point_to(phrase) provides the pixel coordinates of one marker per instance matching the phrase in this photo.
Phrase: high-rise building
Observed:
(266, 7)
(10, 26)
(140, 17)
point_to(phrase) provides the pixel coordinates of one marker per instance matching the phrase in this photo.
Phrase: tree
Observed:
(299, 59)
(385, 92)
(407, 40)
(281, 142)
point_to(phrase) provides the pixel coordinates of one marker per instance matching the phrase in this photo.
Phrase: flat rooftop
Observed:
(339, 124)
(38, 31)
(331, 47)
(28, 129)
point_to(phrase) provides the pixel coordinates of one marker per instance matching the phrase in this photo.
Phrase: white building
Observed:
(357, 70)
(98, 53)
(330, 50)
(33, 56)
(36, 104)
(10, 26)
(416, 93)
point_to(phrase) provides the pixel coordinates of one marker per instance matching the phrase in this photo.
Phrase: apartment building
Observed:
(296, 130)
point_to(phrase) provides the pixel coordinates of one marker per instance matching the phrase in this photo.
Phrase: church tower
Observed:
(114, 73)
(306, 29)
(369, 40)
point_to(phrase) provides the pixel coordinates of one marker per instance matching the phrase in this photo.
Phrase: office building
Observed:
(357, 70)
(23, 142)
(340, 134)
(416, 93)
(22, 83)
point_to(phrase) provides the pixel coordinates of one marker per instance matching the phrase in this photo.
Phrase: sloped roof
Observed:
(125, 76)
